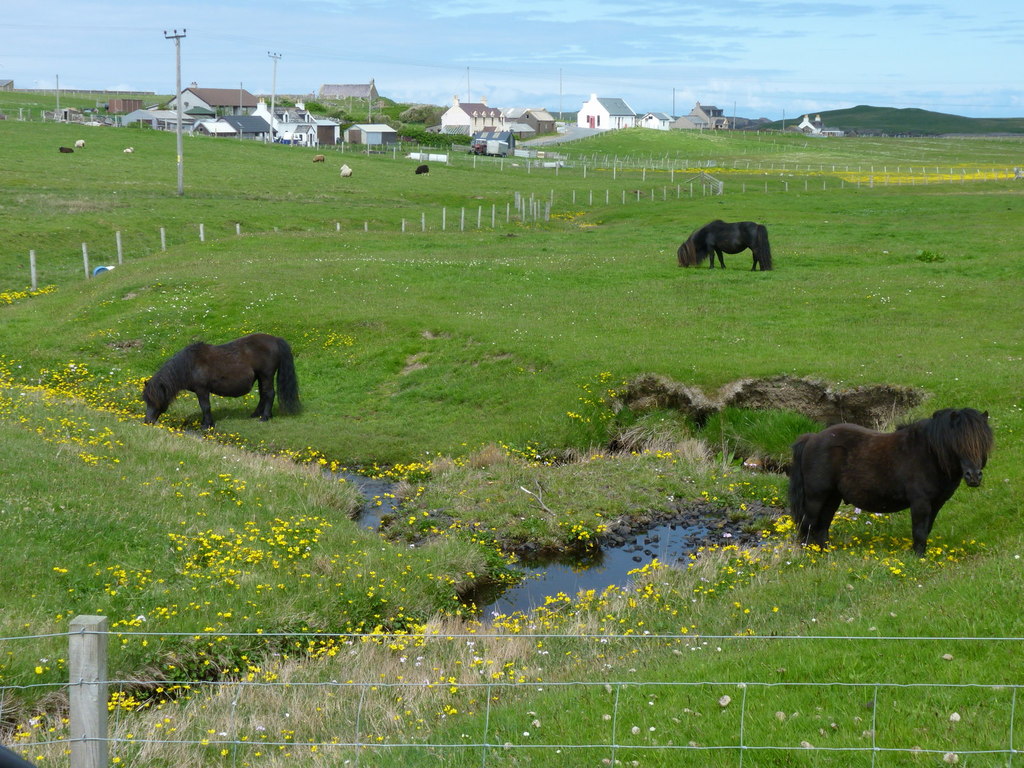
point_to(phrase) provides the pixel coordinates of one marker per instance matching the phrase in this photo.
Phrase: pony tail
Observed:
(287, 380)
(764, 250)
(796, 483)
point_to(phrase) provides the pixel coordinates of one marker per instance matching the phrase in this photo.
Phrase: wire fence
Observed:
(384, 699)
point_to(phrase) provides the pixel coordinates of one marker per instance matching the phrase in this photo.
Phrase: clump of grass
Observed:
(929, 256)
(652, 431)
(768, 434)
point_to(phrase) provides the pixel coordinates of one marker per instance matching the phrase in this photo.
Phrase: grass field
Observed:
(461, 362)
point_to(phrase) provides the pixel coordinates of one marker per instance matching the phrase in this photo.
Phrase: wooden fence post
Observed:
(120, 251)
(32, 270)
(85, 259)
(87, 691)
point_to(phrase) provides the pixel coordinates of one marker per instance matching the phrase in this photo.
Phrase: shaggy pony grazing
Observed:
(229, 370)
(719, 236)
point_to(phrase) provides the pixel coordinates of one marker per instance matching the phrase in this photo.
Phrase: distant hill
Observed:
(916, 122)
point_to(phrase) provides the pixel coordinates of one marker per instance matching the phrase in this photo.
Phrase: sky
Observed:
(752, 58)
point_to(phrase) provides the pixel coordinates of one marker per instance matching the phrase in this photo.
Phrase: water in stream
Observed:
(668, 542)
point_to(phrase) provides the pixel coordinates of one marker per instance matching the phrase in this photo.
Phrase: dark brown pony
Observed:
(228, 370)
(917, 466)
(718, 237)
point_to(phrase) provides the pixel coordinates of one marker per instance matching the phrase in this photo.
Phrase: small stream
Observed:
(669, 542)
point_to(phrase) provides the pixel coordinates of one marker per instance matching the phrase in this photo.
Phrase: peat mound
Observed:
(873, 406)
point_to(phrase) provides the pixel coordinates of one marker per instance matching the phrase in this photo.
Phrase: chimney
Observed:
(483, 100)
(455, 101)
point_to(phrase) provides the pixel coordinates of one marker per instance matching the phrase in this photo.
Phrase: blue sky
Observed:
(753, 58)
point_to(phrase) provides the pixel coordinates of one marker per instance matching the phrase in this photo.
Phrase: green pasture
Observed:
(470, 362)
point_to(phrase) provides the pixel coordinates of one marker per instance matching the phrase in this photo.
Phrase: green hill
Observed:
(919, 122)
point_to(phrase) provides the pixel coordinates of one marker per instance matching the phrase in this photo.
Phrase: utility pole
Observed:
(273, 92)
(560, 95)
(176, 37)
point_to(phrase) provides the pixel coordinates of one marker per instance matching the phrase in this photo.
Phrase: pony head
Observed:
(962, 439)
(155, 397)
(687, 254)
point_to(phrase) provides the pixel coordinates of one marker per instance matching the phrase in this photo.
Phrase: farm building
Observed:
(160, 119)
(123, 106)
(366, 91)
(371, 134)
(497, 143)
(525, 121)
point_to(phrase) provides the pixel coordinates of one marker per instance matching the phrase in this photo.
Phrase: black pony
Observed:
(720, 236)
(228, 370)
(917, 466)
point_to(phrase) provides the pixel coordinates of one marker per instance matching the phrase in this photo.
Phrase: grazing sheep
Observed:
(346, 171)
(128, 150)
(80, 144)
(319, 159)
(422, 169)
(66, 150)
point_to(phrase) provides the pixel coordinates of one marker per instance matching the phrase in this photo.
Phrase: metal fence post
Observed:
(87, 689)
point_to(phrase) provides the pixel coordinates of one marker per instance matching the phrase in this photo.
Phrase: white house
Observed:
(816, 127)
(290, 125)
(606, 114)
(214, 101)
(234, 126)
(659, 121)
(469, 117)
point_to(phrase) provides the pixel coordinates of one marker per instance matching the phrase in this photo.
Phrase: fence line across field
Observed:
(88, 689)
(530, 210)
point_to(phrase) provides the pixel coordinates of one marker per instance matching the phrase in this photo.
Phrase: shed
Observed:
(371, 134)
(498, 143)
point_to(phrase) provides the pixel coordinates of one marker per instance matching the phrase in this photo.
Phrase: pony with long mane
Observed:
(718, 237)
(229, 370)
(918, 466)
